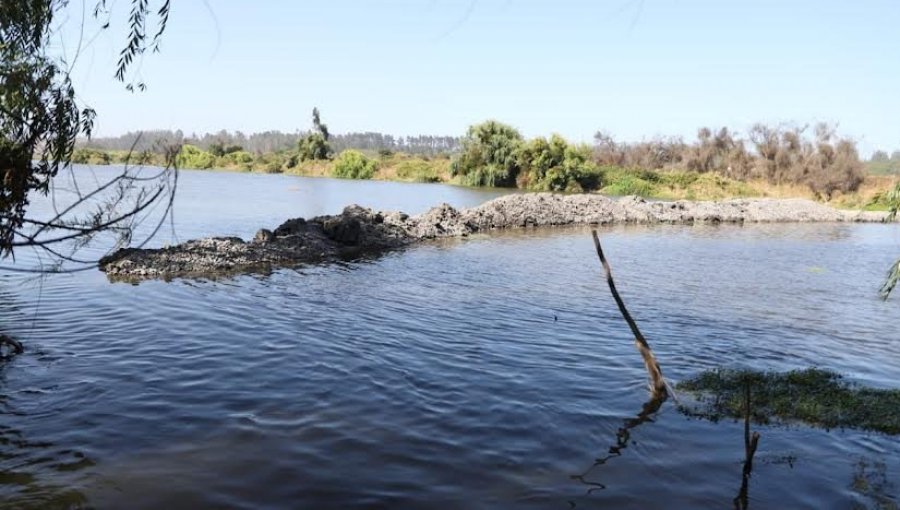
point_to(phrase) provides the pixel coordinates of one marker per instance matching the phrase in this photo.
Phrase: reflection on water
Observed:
(25, 465)
(623, 436)
(873, 487)
(477, 373)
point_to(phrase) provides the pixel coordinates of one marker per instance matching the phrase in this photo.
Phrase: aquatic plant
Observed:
(813, 396)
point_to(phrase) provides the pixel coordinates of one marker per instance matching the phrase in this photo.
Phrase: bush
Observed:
(90, 157)
(352, 164)
(780, 155)
(555, 165)
(489, 157)
(239, 159)
(192, 156)
(313, 147)
(417, 171)
(629, 184)
(270, 163)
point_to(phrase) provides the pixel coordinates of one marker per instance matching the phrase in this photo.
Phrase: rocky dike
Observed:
(359, 231)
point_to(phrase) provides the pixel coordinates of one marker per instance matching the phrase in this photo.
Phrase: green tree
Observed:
(490, 155)
(191, 156)
(217, 149)
(40, 119)
(352, 164)
(557, 165)
(315, 146)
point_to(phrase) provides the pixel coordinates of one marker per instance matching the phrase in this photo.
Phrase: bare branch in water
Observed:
(751, 442)
(658, 383)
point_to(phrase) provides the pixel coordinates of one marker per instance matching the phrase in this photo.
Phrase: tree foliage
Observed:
(489, 155)
(352, 164)
(139, 40)
(315, 146)
(40, 119)
(556, 165)
(193, 157)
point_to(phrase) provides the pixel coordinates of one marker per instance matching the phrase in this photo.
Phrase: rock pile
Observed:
(358, 230)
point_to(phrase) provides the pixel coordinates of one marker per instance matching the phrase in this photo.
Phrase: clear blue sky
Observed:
(634, 68)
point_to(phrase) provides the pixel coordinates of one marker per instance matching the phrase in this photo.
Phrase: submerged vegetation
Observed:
(813, 396)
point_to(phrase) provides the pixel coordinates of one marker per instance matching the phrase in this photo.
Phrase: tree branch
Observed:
(658, 383)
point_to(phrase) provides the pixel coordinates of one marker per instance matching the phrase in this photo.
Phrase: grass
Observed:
(817, 397)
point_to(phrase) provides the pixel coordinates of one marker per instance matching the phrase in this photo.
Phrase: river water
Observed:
(490, 372)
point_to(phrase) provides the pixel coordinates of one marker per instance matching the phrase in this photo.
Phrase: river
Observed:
(488, 372)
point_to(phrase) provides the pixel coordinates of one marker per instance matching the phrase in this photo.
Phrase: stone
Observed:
(264, 236)
(358, 230)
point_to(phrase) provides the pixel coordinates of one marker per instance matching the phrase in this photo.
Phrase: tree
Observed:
(352, 164)
(315, 146)
(40, 118)
(489, 156)
(556, 165)
(893, 199)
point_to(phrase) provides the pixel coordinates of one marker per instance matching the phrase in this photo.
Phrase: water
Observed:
(490, 372)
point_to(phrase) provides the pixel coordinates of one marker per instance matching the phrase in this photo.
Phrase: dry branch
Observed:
(656, 377)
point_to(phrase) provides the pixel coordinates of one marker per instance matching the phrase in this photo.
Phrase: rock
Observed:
(344, 229)
(359, 230)
(291, 227)
(264, 236)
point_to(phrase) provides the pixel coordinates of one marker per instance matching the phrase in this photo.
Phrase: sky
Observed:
(633, 68)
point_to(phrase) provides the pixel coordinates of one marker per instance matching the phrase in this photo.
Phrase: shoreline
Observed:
(701, 186)
(359, 231)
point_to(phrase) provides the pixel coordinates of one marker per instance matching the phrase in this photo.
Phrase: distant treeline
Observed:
(274, 141)
(816, 157)
(495, 154)
(883, 164)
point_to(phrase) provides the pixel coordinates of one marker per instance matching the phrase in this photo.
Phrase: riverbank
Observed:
(613, 180)
(359, 231)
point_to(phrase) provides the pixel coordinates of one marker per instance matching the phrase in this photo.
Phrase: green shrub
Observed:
(352, 164)
(489, 157)
(136, 158)
(313, 147)
(629, 184)
(90, 157)
(417, 171)
(240, 159)
(192, 156)
(555, 165)
(677, 179)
